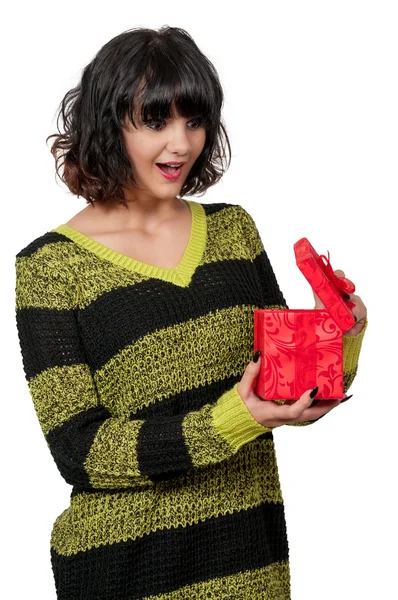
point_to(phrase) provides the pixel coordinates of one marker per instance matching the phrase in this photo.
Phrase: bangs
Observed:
(174, 80)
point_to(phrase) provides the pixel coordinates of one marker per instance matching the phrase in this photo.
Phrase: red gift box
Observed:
(299, 350)
(319, 273)
(304, 348)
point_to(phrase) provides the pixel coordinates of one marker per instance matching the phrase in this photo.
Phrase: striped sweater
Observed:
(133, 371)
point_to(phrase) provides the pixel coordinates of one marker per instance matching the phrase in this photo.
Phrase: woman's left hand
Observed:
(359, 310)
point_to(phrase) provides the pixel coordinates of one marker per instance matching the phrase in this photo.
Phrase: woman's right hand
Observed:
(271, 414)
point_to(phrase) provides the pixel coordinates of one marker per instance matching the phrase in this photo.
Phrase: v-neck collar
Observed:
(181, 275)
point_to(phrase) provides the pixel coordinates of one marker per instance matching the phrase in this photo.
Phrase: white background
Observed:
(311, 101)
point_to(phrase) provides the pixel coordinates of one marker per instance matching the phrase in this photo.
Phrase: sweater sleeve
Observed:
(270, 293)
(92, 448)
(273, 298)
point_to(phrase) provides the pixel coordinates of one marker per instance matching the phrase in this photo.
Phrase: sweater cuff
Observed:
(233, 420)
(352, 348)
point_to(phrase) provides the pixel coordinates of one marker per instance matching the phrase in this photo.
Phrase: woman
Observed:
(135, 320)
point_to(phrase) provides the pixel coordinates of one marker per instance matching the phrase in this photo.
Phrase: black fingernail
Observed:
(314, 392)
(356, 318)
(345, 295)
(256, 356)
(348, 397)
(314, 403)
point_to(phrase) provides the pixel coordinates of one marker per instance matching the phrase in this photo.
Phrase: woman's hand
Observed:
(359, 311)
(271, 414)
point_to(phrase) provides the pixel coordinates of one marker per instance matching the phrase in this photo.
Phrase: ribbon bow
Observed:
(344, 285)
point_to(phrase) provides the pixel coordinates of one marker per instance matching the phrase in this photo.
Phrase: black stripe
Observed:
(162, 452)
(123, 315)
(166, 560)
(70, 444)
(270, 292)
(48, 338)
(50, 237)
(214, 207)
(266, 436)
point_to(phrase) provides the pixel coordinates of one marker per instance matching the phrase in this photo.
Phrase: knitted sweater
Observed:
(133, 371)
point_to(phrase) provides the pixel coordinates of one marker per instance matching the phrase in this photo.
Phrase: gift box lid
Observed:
(331, 289)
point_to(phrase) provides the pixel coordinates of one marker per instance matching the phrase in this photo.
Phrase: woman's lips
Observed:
(170, 176)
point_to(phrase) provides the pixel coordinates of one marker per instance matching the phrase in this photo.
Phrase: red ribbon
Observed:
(343, 284)
(305, 351)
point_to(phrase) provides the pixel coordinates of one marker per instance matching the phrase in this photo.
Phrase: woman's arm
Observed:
(272, 297)
(91, 447)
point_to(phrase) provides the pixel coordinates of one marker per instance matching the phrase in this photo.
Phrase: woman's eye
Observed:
(197, 122)
(151, 122)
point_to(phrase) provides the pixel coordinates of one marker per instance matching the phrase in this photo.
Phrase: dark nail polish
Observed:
(256, 356)
(356, 318)
(345, 295)
(348, 397)
(314, 392)
(314, 403)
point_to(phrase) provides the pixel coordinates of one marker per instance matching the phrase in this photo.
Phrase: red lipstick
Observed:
(169, 173)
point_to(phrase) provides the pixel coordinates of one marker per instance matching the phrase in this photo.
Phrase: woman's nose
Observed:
(178, 140)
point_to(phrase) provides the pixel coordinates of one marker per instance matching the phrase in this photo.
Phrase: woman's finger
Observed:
(290, 410)
(315, 412)
(360, 314)
(318, 302)
(339, 273)
(359, 310)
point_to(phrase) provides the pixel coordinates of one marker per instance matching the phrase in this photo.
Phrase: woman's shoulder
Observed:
(44, 273)
(214, 207)
(237, 210)
(35, 245)
(49, 257)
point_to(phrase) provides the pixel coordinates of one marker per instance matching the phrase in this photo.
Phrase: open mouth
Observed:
(171, 169)
(170, 172)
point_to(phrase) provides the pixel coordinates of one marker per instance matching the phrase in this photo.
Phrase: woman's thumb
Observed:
(247, 382)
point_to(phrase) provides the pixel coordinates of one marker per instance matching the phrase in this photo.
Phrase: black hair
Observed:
(152, 69)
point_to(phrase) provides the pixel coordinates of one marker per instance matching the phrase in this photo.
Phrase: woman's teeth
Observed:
(169, 169)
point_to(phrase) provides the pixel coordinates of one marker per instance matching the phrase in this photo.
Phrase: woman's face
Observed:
(174, 140)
